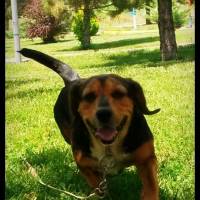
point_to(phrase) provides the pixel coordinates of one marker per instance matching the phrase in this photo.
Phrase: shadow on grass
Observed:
(144, 58)
(125, 42)
(115, 44)
(57, 168)
(128, 185)
(53, 42)
(17, 83)
(32, 93)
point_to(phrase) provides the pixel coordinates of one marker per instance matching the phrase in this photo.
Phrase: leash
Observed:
(99, 192)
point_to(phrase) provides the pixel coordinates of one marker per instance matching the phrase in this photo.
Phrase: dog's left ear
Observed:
(75, 95)
(136, 92)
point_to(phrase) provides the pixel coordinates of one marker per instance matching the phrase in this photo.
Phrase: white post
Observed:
(133, 13)
(15, 30)
(134, 22)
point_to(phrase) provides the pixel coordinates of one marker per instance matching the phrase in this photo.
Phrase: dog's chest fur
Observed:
(111, 158)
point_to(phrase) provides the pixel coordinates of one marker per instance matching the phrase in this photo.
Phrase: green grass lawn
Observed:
(31, 132)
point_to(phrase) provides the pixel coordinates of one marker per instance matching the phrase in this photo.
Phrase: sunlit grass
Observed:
(31, 132)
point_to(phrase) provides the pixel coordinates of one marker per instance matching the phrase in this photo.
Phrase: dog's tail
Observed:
(64, 70)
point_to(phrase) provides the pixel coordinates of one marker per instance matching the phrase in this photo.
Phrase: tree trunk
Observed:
(86, 25)
(168, 46)
(49, 39)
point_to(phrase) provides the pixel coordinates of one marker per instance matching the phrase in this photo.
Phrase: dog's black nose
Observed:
(104, 115)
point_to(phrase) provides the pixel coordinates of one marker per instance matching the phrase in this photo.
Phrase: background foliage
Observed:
(77, 25)
(46, 19)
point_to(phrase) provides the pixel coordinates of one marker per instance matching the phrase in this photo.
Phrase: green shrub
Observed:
(77, 25)
(179, 16)
(23, 25)
(9, 34)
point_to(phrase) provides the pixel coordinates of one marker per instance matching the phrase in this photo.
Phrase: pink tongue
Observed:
(106, 134)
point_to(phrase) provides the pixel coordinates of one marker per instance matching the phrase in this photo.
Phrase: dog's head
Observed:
(106, 104)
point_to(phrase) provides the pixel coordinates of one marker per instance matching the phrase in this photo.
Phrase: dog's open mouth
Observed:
(108, 134)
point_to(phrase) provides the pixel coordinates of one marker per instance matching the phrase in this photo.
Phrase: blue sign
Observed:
(133, 12)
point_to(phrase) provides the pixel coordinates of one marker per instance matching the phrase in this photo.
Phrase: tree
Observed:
(168, 46)
(86, 24)
(46, 19)
(88, 7)
(77, 25)
(120, 6)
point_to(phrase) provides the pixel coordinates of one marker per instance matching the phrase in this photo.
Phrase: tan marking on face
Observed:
(117, 96)
(120, 106)
(93, 86)
(86, 109)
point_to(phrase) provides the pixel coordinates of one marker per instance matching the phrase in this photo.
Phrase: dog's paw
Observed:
(102, 190)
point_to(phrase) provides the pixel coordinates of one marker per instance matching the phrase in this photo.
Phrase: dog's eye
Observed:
(118, 94)
(90, 97)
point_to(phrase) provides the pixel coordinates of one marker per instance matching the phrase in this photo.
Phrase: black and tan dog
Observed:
(102, 117)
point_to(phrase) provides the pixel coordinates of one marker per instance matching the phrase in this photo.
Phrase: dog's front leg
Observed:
(148, 174)
(89, 168)
(92, 177)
